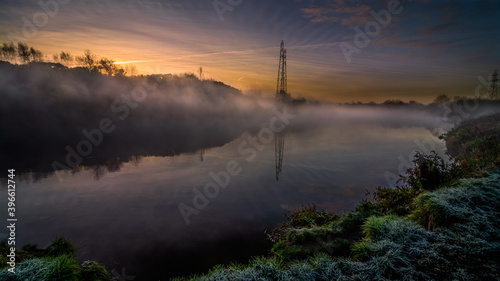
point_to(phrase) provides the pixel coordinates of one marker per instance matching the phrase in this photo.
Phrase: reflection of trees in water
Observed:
(98, 167)
(181, 114)
(279, 145)
(111, 166)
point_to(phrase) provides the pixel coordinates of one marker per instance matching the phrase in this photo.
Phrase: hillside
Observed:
(46, 108)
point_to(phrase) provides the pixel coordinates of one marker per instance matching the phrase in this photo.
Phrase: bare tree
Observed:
(65, 57)
(24, 52)
(107, 66)
(9, 52)
(36, 55)
(131, 70)
(89, 61)
(442, 99)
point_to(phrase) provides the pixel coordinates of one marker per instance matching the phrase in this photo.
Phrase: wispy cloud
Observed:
(131, 61)
(338, 11)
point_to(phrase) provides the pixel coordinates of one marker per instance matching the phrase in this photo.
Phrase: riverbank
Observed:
(435, 226)
(442, 223)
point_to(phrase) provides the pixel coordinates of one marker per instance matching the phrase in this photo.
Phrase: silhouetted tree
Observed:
(24, 52)
(190, 76)
(36, 55)
(107, 66)
(89, 61)
(65, 57)
(393, 102)
(131, 70)
(9, 51)
(442, 99)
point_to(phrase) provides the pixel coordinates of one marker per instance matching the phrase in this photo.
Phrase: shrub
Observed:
(476, 145)
(3, 261)
(93, 271)
(61, 246)
(302, 217)
(430, 172)
(31, 251)
(62, 268)
(396, 201)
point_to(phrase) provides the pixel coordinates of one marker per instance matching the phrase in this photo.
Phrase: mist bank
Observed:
(58, 118)
(49, 112)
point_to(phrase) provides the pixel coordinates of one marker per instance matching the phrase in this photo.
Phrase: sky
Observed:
(337, 50)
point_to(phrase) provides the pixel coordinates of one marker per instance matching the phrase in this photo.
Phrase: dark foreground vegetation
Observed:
(442, 223)
(56, 262)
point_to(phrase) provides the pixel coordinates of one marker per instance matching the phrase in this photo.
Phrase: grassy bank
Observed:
(55, 262)
(442, 223)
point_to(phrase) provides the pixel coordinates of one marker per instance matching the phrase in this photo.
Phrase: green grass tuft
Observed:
(93, 271)
(61, 246)
(61, 268)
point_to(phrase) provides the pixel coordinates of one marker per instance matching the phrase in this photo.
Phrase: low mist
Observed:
(58, 118)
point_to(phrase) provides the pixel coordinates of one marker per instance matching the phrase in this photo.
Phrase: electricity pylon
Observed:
(279, 146)
(493, 85)
(281, 88)
(282, 97)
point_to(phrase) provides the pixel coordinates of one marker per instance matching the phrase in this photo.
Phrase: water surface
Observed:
(129, 218)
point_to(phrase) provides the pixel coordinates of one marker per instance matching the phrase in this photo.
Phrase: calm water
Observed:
(130, 218)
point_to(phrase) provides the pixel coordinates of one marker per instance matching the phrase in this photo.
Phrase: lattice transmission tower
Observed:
(281, 88)
(282, 97)
(493, 85)
(279, 148)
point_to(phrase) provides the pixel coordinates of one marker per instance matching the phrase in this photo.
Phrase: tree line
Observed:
(11, 52)
(24, 54)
